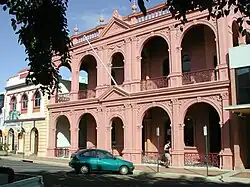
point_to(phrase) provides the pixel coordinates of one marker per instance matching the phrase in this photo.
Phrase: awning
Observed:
(243, 108)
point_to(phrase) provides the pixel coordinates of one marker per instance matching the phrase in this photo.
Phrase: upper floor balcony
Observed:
(158, 66)
(145, 55)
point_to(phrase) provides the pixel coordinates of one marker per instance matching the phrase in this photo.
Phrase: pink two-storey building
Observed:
(172, 78)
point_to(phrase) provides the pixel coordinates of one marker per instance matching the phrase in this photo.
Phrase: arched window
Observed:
(24, 102)
(37, 99)
(13, 103)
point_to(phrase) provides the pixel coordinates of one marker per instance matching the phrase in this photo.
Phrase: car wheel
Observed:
(124, 170)
(84, 169)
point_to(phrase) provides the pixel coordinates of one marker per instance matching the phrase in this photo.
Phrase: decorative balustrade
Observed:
(196, 159)
(152, 157)
(153, 15)
(193, 77)
(86, 94)
(154, 83)
(60, 98)
(62, 152)
(89, 37)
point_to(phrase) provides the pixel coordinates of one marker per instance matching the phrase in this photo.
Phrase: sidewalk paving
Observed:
(215, 175)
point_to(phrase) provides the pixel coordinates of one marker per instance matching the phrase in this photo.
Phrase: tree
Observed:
(43, 30)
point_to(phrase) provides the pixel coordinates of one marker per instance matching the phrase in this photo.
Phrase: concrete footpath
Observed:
(189, 173)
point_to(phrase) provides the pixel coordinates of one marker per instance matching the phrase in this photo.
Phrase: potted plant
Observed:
(4, 149)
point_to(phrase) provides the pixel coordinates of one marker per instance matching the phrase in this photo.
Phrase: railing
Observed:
(60, 98)
(154, 83)
(62, 152)
(153, 15)
(196, 159)
(193, 77)
(89, 37)
(85, 94)
(152, 157)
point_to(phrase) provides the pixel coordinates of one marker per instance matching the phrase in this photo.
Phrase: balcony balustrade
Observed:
(60, 98)
(154, 83)
(199, 76)
(86, 94)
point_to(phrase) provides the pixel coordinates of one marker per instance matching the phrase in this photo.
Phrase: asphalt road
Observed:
(55, 176)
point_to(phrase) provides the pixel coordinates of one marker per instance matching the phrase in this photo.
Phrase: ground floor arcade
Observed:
(129, 130)
(28, 137)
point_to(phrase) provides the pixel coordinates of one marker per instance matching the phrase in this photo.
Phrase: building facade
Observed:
(240, 106)
(166, 76)
(25, 124)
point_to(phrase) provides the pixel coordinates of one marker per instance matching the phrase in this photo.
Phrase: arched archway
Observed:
(87, 132)
(155, 66)
(117, 136)
(63, 138)
(194, 139)
(199, 55)
(65, 80)
(11, 139)
(87, 77)
(20, 140)
(34, 141)
(155, 117)
(117, 69)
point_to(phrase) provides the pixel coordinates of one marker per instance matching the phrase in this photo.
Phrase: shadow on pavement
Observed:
(70, 179)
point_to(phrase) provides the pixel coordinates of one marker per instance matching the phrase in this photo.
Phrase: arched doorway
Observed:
(87, 132)
(194, 140)
(11, 140)
(34, 141)
(117, 69)
(62, 137)
(154, 118)
(20, 139)
(199, 55)
(117, 136)
(155, 66)
(87, 77)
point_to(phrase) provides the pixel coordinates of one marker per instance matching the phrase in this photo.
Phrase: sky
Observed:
(84, 13)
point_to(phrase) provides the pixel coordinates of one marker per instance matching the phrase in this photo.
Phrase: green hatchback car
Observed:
(89, 160)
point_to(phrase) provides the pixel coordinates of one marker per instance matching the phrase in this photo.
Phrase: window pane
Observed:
(243, 85)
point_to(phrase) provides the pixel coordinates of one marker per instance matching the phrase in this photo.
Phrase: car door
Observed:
(106, 161)
(89, 157)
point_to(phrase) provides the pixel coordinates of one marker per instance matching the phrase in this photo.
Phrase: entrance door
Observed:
(36, 143)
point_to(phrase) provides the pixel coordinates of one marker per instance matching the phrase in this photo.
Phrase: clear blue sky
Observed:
(84, 13)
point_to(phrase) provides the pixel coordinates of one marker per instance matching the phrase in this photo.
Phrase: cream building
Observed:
(25, 122)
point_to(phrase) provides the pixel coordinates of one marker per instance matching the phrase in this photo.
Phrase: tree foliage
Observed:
(42, 28)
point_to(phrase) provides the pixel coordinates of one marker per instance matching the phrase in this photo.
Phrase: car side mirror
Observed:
(114, 157)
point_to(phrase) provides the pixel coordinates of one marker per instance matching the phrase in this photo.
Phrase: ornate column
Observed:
(74, 131)
(51, 135)
(222, 45)
(74, 79)
(175, 75)
(136, 66)
(177, 135)
(127, 130)
(226, 152)
(128, 62)
(100, 129)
